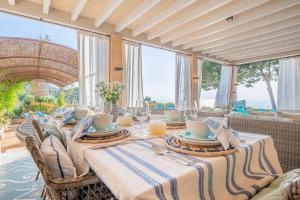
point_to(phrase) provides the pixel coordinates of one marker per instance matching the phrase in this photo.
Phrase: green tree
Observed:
(61, 99)
(247, 75)
(211, 73)
(251, 73)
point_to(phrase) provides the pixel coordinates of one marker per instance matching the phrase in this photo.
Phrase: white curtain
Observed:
(288, 95)
(133, 70)
(93, 66)
(223, 93)
(183, 82)
(199, 81)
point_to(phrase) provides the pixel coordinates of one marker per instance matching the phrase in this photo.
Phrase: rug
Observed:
(17, 177)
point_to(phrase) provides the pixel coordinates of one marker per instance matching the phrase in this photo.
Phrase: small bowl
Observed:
(80, 114)
(102, 121)
(172, 115)
(197, 127)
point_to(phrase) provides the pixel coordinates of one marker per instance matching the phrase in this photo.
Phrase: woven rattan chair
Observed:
(86, 187)
(286, 136)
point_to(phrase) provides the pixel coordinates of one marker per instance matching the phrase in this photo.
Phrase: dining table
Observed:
(134, 171)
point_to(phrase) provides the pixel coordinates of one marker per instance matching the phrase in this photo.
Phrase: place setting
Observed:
(204, 137)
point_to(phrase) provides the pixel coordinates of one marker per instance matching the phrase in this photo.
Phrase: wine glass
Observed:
(195, 110)
(141, 114)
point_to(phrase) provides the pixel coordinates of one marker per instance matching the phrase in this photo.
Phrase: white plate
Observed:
(205, 142)
(111, 131)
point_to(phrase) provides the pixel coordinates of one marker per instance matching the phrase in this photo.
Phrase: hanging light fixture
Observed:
(38, 87)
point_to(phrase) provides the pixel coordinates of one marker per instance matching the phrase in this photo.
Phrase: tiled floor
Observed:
(17, 176)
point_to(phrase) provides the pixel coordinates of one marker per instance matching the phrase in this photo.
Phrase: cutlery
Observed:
(160, 150)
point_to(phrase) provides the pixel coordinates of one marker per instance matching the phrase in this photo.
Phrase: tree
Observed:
(211, 73)
(61, 99)
(251, 73)
(247, 75)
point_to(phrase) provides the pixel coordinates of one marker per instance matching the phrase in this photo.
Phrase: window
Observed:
(158, 74)
(253, 87)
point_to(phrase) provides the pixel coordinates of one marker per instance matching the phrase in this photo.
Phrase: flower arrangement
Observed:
(109, 92)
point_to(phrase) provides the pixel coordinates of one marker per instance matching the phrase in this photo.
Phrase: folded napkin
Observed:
(59, 112)
(218, 126)
(68, 116)
(81, 127)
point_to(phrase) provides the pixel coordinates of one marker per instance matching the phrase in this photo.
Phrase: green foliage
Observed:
(251, 73)
(35, 103)
(211, 74)
(9, 98)
(110, 92)
(61, 99)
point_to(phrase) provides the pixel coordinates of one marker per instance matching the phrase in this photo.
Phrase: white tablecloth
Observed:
(134, 171)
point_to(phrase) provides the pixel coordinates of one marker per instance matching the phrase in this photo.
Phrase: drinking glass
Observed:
(141, 114)
(195, 110)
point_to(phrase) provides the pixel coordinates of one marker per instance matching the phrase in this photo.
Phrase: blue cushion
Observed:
(159, 106)
(238, 105)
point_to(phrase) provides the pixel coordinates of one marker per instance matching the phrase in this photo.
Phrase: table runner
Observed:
(134, 171)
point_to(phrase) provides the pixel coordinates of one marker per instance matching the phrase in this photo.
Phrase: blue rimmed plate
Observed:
(188, 138)
(111, 130)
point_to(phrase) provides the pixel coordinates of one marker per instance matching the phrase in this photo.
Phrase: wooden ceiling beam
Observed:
(78, 7)
(269, 57)
(280, 35)
(46, 6)
(272, 7)
(259, 23)
(136, 14)
(231, 9)
(199, 9)
(108, 10)
(269, 29)
(167, 12)
(257, 46)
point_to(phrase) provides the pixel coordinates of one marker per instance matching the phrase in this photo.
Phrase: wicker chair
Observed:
(86, 187)
(286, 136)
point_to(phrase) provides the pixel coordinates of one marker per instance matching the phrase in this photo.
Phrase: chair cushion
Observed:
(238, 105)
(275, 191)
(57, 159)
(51, 128)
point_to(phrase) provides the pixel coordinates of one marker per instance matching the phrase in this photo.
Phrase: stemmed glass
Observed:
(141, 114)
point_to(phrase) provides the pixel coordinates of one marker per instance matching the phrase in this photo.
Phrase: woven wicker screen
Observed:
(27, 59)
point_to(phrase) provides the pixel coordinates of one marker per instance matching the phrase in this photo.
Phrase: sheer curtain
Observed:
(223, 93)
(183, 82)
(133, 69)
(93, 66)
(199, 81)
(288, 95)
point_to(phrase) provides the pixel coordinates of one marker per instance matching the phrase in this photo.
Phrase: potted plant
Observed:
(110, 94)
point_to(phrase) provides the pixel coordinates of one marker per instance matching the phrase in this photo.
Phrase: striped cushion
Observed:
(57, 159)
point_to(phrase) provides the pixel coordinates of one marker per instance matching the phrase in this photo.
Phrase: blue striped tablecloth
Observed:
(134, 171)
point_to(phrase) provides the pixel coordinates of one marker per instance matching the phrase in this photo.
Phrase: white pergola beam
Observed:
(270, 29)
(259, 23)
(247, 16)
(261, 48)
(46, 6)
(255, 46)
(269, 57)
(265, 52)
(107, 12)
(213, 17)
(196, 11)
(77, 9)
(135, 14)
(167, 12)
(280, 35)
(12, 2)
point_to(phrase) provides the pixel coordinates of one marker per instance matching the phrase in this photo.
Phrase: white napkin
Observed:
(81, 127)
(218, 126)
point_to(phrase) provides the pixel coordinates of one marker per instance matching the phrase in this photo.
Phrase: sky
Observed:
(158, 64)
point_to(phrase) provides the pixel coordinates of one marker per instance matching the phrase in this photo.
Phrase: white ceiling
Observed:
(260, 29)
